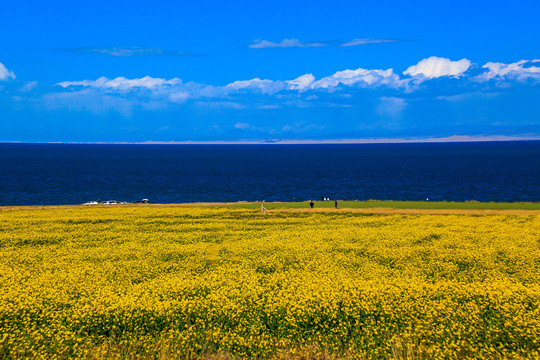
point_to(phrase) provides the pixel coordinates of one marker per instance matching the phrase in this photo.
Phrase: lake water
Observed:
(73, 174)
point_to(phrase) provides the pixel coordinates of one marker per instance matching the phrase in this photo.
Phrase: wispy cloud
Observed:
(124, 51)
(295, 43)
(470, 96)
(286, 43)
(5, 74)
(356, 42)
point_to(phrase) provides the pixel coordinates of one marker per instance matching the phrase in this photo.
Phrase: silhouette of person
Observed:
(335, 203)
(311, 203)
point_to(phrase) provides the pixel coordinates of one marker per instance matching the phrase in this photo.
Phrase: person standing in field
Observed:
(335, 203)
(311, 203)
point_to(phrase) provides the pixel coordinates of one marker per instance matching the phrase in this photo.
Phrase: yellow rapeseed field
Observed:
(173, 282)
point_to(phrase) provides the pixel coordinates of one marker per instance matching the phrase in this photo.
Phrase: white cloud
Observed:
(265, 86)
(366, 41)
(362, 77)
(513, 71)
(5, 74)
(174, 91)
(301, 83)
(241, 125)
(121, 83)
(253, 83)
(286, 43)
(434, 67)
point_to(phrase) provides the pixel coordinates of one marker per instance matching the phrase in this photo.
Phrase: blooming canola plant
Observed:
(184, 281)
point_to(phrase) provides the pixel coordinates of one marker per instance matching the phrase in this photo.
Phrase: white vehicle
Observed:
(91, 203)
(110, 202)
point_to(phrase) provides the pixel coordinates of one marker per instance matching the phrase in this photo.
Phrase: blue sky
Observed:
(136, 71)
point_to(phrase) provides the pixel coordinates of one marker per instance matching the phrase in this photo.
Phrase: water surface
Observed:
(73, 173)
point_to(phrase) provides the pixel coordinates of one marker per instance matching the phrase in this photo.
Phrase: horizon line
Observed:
(446, 139)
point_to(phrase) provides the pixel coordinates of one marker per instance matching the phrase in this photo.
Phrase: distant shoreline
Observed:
(448, 139)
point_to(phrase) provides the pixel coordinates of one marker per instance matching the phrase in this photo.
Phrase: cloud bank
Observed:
(305, 89)
(436, 97)
(384, 93)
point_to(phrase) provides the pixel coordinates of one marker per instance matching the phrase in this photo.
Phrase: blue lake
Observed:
(73, 174)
